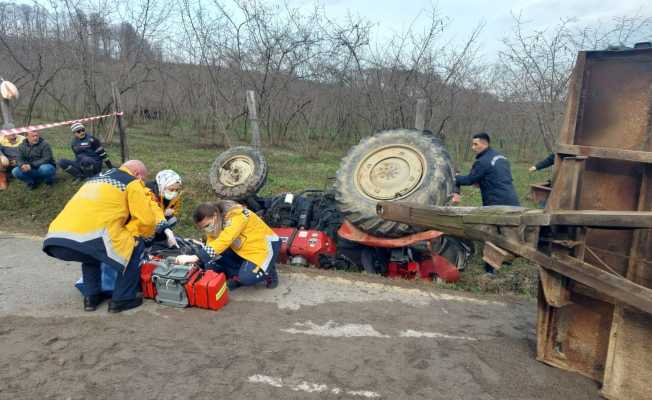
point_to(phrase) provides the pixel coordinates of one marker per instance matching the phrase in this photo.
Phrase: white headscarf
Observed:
(166, 178)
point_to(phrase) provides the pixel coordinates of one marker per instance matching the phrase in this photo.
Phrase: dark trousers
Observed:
(236, 267)
(127, 283)
(82, 167)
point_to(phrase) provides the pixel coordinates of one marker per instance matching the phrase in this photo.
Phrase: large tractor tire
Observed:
(399, 164)
(238, 173)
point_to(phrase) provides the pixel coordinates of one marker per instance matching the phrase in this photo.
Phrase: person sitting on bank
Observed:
(89, 154)
(104, 222)
(9, 143)
(238, 243)
(165, 191)
(543, 164)
(35, 163)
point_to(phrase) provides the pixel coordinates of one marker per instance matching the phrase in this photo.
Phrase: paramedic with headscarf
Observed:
(104, 223)
(166, 195)
(238, 243)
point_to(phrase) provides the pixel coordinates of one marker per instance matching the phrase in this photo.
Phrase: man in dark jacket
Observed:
(492, 172)
(89, 154)
(35, 162)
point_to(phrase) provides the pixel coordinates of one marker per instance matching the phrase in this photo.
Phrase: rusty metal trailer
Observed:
(593, 241)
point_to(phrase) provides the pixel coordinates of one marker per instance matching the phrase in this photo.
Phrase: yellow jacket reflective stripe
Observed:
(247, 235)
(103, 218)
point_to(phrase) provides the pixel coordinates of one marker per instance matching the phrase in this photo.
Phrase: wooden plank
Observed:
(555, 288)
(606, 152)
(576, 336)
(457, 217)
(629, 345)
(628, 367)
(495, 256)
(574, 100)
(566, 185)
(600, 218)
(621, 289)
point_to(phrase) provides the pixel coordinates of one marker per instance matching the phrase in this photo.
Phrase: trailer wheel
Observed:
(238, 172)
(392, 165)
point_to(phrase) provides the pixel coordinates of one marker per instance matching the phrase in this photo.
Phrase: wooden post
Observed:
(253, 118)
(420, 118)
(6, 114)
(124, 150)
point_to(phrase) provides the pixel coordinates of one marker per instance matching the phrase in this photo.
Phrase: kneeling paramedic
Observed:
(103, 223)
(238, 243)
(165, 192)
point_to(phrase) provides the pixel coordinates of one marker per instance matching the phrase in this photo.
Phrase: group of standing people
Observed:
(30, 158)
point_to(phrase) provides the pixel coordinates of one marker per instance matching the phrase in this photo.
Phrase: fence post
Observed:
(6, 112)
(124, 149)
(420, 118)
(253, 118)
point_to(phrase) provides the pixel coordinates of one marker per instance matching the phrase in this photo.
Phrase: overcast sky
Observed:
(464, 15)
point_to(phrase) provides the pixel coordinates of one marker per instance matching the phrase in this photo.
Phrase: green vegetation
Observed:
(30, 212)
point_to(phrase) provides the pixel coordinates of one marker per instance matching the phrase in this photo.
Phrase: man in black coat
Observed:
(492, 173)
(89, 154)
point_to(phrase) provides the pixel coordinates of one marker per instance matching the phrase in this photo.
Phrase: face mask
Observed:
(212, 227)
(169, 195)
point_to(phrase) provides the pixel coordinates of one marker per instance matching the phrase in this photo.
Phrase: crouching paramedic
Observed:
(238, 243)
(165, 192)
(103, 223)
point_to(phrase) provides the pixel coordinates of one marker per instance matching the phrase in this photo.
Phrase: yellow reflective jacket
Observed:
(8, 149)
(247, 235)
(159, 215)
(103, 218)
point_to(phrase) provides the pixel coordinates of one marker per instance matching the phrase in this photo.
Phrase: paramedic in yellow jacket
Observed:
(238, 243)
(104, 223)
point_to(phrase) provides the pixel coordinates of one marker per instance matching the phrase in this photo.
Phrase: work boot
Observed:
(3, 180)
(271, 279)
(91, 302)
(116, 306)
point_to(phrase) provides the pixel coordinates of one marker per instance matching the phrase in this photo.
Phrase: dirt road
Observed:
(314, 337)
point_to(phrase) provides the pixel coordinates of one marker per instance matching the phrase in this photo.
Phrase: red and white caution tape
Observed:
(54, 125)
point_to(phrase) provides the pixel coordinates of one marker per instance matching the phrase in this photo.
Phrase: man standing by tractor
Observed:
(492, 172)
